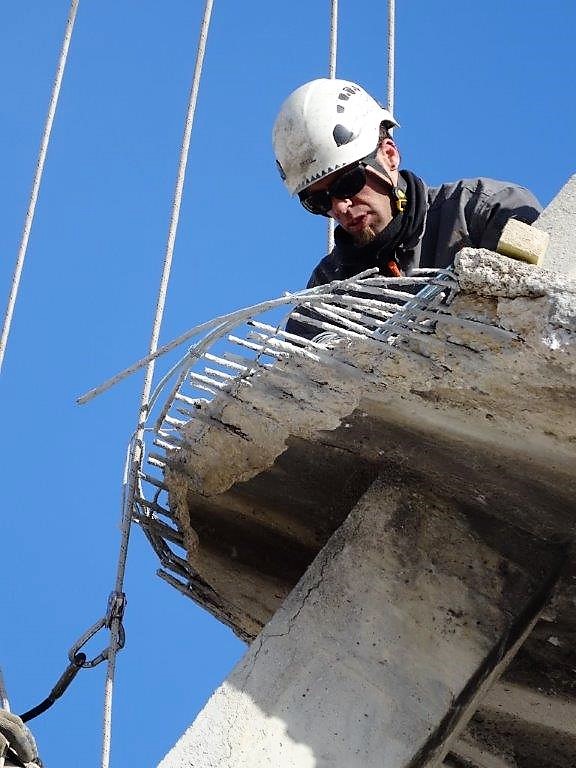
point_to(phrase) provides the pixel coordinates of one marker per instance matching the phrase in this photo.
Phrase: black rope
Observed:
(69, 674)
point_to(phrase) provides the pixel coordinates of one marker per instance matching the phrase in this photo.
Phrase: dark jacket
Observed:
(469, 212)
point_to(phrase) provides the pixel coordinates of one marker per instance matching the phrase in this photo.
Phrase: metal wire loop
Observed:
(83, 639)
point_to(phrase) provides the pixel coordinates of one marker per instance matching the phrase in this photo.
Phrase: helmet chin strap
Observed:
(399, 199)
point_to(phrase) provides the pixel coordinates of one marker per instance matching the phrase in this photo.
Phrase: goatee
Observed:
(365, 236)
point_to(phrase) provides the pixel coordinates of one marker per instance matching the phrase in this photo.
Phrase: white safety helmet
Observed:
(323, 126)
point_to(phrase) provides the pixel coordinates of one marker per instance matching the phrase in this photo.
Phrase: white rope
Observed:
(391, 54)
(131, 479)
(333, 39)
(332, 75)
(37, 180)
(4, 702)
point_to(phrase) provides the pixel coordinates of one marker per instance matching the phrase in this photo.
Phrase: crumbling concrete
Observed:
(485, 405)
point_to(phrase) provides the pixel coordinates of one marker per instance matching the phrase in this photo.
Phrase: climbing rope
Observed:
(4, 703)
(391, 54)
(390, 75)
(333, 39)
(332, 75)
(37, 180)
(117, 598)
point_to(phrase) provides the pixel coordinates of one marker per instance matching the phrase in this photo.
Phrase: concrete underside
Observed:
(477, 419)
(261, 535)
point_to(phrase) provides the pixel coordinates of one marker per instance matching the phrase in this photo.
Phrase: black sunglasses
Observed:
(346, 186)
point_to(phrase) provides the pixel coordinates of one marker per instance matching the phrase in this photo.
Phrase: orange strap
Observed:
(393, 269)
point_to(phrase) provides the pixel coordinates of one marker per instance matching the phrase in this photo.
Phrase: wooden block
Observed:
(523, 242)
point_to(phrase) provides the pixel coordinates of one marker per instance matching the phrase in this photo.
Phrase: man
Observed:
(334, 150)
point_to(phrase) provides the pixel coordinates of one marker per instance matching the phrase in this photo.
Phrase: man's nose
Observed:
(340, 205)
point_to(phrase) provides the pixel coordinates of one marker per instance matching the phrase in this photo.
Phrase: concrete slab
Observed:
(485, 405)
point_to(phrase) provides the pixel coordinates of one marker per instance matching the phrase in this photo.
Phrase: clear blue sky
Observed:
(482, 89)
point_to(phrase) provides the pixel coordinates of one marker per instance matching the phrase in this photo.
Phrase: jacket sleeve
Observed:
(303, 329)
(507, 202)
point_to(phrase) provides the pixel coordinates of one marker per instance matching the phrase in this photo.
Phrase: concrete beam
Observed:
(516, 725)
(533, 707)
(383, 650)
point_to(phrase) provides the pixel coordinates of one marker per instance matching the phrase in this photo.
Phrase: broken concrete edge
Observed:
(489, 380)
(493, 275)
(251, 423)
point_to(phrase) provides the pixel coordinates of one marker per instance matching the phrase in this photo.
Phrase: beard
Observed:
(365, 235)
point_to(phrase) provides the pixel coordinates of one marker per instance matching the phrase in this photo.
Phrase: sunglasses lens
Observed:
(349, 184)
(346, 186)
(318, 203)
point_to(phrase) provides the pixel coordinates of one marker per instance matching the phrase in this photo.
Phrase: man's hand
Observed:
(16, 736)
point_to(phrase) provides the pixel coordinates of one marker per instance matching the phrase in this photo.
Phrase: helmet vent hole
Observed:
(342, 135)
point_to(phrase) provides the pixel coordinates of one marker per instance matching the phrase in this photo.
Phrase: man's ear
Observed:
(389, 155)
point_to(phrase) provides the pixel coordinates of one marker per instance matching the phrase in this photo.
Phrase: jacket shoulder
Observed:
(482, 188)
(474, 212)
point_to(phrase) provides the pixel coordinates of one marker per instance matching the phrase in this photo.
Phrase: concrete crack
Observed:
(323, 565)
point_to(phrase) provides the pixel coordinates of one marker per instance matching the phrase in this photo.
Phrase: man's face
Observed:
(366, 213)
